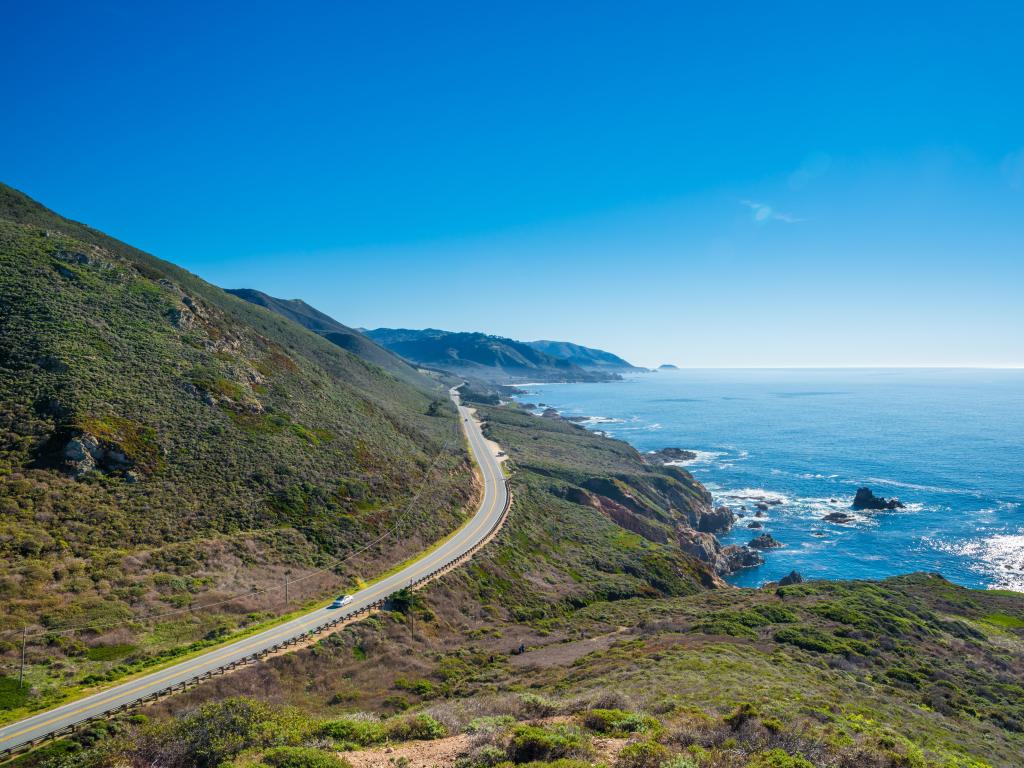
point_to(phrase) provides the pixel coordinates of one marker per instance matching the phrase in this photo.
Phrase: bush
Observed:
(355, 731)
(642, 754)
(777, 758)
(423, 727)
(533, 742)
(618, 722)
(302, 757)
(679, 761)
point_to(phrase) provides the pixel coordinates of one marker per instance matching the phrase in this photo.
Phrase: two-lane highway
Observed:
(476, 530)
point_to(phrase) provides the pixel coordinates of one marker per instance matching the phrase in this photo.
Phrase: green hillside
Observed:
(335, 332)
(166, 446)
(627, 662)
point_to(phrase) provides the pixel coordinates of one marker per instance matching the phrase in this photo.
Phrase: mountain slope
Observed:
(492, 358)
(585, 357)
(335, 332)
(165, 446)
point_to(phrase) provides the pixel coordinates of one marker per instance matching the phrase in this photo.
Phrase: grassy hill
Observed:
(166, 446)
(335, 332)
(480, 356)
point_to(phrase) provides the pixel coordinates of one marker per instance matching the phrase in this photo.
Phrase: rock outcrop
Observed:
(838, 517)
(718, 520)
(865, 499)
(725, 560)
(668, 455)
(85, 453)
(793, 577)
(764, 541)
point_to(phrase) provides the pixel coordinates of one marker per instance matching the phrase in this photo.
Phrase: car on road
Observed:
(341, 601)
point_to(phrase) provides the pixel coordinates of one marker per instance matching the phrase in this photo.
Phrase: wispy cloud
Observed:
(764, 212)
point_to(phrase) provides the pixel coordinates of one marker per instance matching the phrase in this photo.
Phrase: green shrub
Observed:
(417, 727)
(534, 742)
(302, 757)
(355, 731)
(679, 761)
(618, 722)
(642, 754)
(777, 758)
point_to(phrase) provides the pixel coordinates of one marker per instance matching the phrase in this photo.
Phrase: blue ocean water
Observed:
(949, 443)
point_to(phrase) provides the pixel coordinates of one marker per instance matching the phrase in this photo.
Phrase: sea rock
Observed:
(724, 560)
(666, 455)
(762, 505)
(764, 541)
(702, 546)
(718, 520)
(838, 517)
(793, 577)
(755, 525)
(734, 558)
(550, 413)
(865, 499)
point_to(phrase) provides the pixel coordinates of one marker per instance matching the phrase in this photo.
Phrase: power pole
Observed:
(286, 588)
(24, 643)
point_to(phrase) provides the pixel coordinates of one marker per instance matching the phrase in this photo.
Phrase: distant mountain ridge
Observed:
(492, 358)
(585, 357)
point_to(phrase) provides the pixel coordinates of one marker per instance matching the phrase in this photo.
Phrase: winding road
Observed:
(458, 547)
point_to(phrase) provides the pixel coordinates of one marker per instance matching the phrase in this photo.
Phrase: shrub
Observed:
(355, 731)
(642, 754)
(777, 758)
(422, 727)
(302, 757)
(679, 761)
(533, 742)
(618, 722)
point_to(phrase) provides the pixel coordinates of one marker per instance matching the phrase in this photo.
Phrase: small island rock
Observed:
(865, 499)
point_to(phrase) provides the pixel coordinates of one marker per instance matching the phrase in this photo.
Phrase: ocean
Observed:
(949, 443)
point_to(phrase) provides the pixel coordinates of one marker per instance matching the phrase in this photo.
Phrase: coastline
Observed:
(956, 521)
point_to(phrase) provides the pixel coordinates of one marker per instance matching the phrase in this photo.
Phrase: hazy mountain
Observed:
(494, 358)
(585, 357)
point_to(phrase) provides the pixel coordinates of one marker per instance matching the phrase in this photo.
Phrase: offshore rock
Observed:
(865, 499)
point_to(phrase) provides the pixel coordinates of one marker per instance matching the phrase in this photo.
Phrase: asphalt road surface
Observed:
(472, 533)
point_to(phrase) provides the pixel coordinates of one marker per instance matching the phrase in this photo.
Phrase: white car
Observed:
(341, 601)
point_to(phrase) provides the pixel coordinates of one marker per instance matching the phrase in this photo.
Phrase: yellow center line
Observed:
(286, 631)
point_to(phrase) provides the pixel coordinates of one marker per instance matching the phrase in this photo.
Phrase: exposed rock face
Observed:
(550, 413)
(737, 558)
(865, 499)
(84, 453)
(703, 546)
(765, 541)
(794, 577)
(619, 514)
(719, 520)
(725, 560)
(666, 455)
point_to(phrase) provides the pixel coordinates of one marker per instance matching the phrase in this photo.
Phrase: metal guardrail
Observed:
(9, 752)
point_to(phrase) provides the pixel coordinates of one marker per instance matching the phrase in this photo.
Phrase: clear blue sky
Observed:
(720, 184)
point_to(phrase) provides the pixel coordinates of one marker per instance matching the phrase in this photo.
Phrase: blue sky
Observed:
(763, 184)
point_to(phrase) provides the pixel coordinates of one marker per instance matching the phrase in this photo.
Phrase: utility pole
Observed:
(286, 587)
(24, 643)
